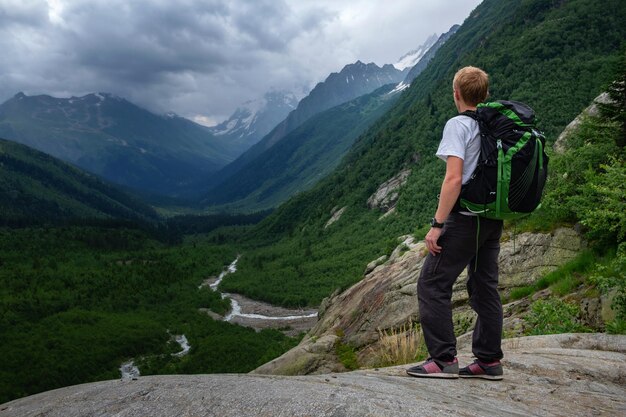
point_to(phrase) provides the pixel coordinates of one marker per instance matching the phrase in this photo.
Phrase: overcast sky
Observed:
(203, 58)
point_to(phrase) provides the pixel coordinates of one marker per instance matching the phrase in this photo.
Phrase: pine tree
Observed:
(615, 109)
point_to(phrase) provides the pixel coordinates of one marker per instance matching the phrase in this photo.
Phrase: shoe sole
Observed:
(435, 375)
(489, 377)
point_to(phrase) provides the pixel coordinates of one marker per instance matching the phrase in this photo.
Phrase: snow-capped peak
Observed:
(409, 60)
(257, 117)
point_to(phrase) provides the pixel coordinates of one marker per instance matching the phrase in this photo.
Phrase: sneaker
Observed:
(482, 370)
(434, 368)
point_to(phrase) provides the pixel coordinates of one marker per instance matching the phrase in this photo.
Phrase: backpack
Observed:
(512, 167)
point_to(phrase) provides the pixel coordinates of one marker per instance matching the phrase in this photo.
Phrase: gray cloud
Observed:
(202, 57)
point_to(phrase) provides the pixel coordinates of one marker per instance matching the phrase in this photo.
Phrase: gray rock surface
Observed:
(528, 256)
(559, 375)
(335, 214)
(386, 196)
(560, 145)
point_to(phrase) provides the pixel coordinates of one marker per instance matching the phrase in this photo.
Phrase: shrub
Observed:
(346, 355)
(554, 316)
(612, 277)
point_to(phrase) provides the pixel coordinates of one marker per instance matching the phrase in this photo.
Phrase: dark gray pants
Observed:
(458, 240)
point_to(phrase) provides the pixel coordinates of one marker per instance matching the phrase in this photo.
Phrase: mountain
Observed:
(416, 61)
(308, 153)
(302, 157)
(428, 54)
(352, 81)
(121, 142)
(408, 60)
(256, 118)
(554, 56)
(38, 188)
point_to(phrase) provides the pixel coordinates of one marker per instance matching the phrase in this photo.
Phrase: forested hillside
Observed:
(37, 188)
(555, 56)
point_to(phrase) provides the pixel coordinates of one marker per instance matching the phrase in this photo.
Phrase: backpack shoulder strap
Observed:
(470, 113)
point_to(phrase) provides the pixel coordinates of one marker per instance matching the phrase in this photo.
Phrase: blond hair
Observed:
(472, 84)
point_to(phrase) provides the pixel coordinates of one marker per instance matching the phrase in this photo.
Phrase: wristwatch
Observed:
(435, 223)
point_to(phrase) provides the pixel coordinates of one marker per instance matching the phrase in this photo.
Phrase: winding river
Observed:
(130, 371)
(245, 312)
(245, 308)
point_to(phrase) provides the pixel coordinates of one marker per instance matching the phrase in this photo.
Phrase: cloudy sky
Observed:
(202, 58)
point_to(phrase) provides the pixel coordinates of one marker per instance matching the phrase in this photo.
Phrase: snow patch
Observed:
(411, 58)
(400, 87)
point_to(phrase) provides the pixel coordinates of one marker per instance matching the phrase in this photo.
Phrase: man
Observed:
(458, 240)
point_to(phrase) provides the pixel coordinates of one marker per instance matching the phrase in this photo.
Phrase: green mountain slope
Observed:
(556, 56)
(37, 188)
(303, 157)
(117, 140)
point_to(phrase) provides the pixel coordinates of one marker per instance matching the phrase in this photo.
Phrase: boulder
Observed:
(335, 214)
(386, 196)
(560, 145)
(527, 257)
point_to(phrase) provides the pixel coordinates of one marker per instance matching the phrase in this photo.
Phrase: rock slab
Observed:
(559, 375)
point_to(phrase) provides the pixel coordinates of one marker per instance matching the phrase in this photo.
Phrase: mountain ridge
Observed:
(229, 191)
(38, 188)
(116, 139)
(255, 118)
(324, 95)
(304, 156)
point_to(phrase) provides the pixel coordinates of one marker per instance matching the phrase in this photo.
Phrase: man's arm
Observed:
(450, 190)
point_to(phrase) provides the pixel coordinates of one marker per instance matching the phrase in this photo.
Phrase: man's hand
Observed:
(431, 240)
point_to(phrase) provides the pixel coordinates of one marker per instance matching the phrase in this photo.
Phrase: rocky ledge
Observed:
(558, 375)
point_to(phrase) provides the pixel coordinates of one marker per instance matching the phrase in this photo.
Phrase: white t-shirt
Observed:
(461, 138)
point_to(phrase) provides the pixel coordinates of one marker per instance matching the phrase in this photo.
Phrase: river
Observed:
(244, 312)
(260, 315)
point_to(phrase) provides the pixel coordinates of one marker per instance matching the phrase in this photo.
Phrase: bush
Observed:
(612, 277)
(554, 316)
(347, 355)
(601, 206)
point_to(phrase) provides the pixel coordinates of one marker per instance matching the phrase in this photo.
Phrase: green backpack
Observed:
(512, 167)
